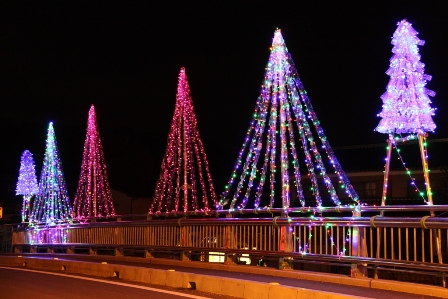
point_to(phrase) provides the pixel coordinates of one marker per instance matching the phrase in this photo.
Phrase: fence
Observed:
(418, 245)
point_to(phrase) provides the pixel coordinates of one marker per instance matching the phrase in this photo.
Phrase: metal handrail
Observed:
(426, 222)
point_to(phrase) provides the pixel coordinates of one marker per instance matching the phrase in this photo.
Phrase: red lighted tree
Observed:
(93, 197)
(185, 183)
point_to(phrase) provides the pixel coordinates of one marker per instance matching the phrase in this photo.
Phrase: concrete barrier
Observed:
(254, 290)
(218, 285)
(418, 289)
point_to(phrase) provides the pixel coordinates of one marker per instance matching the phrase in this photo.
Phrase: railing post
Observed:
(285, 244)
(359, 248)
(229, 242)
(118, 251)
(92, 250)
(148, 253)
(184, 240)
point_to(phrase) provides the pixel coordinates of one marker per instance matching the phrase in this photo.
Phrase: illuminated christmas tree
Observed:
(27, 182)
(406, 103)
(52, 204)
(93, 197)
(269, 157)
(185, 183)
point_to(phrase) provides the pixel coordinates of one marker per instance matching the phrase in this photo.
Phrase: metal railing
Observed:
(410, 244)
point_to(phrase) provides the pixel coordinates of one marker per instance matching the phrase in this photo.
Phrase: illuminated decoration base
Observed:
(269, 164)
(185, 183)
(27, 182)
(52, 204)
(48, 235)
(93, 196)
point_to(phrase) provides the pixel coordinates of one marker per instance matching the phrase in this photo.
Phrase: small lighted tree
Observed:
(268, 162)
(406, 104)
(52, 204)
(27, 182)
(93, 197)
(185, 183)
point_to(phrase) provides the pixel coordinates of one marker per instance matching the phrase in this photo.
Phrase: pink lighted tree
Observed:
(27, 182)
(185, 183)
(93, 196)
(268, 171)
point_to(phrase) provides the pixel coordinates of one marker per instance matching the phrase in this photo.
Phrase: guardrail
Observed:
(361, 243)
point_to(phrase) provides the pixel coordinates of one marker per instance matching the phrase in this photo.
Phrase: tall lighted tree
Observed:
(185, 183)
(406, 104)
(268, 162)
(93, 197)
(27, 182)
(52, 204)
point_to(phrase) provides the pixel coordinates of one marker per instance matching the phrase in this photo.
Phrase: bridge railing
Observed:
(375, 242)
(409, 239)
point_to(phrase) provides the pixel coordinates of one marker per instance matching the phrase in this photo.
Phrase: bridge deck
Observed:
(332, 283)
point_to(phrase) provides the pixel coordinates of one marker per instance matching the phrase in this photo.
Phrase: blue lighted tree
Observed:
(52, 204)
(27, 182)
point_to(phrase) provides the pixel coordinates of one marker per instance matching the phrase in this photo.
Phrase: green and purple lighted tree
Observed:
(52, 204)
(406, 103)
(93, 197)
(27, 182)
(185, 183)
(268, 162)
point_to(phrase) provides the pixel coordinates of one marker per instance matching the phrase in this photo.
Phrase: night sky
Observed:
(57, 58)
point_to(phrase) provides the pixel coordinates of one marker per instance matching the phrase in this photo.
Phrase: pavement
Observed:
(240, 281)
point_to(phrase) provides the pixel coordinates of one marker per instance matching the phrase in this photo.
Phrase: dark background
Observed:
(57, 58)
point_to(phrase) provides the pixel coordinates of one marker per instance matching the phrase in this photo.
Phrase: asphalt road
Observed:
(298, 283)
(23, 283)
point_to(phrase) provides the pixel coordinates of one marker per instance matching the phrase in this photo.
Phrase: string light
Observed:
(27, 182)
(408, 171)
(52, 204)
(268, 156)
(185, 183)
(93, 196)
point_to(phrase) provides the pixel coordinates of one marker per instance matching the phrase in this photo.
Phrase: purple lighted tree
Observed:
(27, 182)
(93, 197)
(406, 103)
(269, 156)
(185, 183)
(52, 204)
